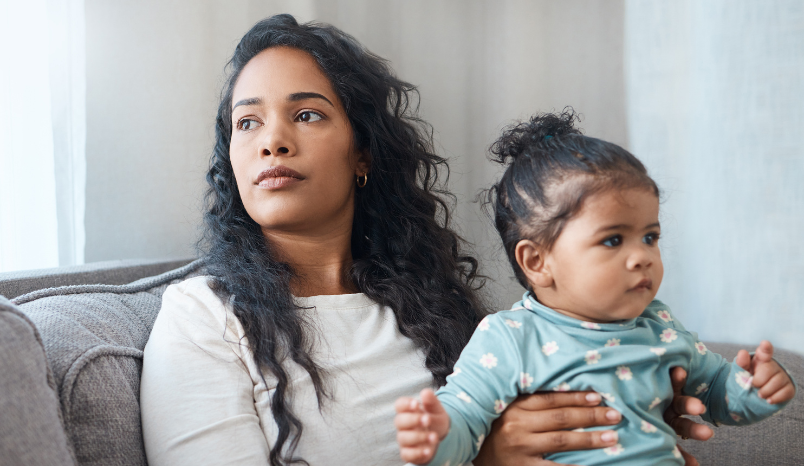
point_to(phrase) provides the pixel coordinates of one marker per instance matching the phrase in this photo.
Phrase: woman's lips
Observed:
(278, 177)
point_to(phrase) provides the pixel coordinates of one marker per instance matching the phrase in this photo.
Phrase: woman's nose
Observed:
(278, 140)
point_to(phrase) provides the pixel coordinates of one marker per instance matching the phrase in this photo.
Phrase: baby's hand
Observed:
(420, 427)
(772, 381)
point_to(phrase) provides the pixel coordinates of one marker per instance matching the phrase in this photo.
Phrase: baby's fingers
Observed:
(743, 360)
(416, 438)
(785, 393)
(773, 385)
(409, 421)
(407, 404)
(763, 354)
(416, 455)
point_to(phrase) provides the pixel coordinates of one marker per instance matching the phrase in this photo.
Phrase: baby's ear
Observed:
(530, 258)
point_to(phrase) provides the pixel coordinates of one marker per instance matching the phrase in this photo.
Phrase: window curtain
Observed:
(42, 133)
(715, 102)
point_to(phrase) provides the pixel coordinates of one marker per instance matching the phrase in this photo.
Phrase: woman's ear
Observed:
(363, 165)
(531, 261)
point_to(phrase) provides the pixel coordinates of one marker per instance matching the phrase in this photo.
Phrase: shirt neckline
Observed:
(530, 303)
(335, 301)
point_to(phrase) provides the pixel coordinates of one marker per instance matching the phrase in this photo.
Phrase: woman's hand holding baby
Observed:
(772, 381)
(420, 426)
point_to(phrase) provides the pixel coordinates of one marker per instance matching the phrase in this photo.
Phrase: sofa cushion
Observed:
(775, 441)
(94, 336)
(31, 432)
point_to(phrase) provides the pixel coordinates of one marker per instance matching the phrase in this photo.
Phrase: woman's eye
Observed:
(246, 124)
(650, 239)
(614, 241)
(308, 117)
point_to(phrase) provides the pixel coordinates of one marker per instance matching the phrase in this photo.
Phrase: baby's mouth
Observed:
(644, 284)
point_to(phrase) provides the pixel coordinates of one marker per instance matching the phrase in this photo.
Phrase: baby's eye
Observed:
(650, 239)
(246, 124)
(308, 116)
(613, 242)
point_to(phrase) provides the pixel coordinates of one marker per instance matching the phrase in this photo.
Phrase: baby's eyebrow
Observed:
(612, 227)
(653, 225)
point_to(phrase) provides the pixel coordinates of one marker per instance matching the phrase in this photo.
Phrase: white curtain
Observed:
(42, 133)
(715, 101)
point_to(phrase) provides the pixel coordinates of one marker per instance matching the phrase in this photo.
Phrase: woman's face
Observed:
(292, 148)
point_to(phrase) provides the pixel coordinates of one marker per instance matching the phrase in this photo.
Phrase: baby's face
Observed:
(606, 263)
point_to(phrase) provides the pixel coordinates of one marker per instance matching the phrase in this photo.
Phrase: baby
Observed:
(579, 219)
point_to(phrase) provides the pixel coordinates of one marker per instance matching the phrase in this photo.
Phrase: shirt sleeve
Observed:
(196, 393)
(484, 382)
(726, 389)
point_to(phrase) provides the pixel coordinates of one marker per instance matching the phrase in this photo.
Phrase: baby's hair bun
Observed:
(524, 138)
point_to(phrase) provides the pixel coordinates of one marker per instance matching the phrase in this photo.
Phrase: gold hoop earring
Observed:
(364, 181)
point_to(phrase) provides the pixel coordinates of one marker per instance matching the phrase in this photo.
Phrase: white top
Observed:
(203, 401)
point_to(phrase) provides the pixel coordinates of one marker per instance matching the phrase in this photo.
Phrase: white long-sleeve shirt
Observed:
(203, 401)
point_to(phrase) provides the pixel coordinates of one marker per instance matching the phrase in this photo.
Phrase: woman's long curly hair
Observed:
(405, 256)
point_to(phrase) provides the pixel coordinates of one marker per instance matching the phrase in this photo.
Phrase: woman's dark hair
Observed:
(405, 255)
(553, 169)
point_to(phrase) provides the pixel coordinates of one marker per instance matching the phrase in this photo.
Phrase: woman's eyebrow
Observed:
(249, 101)
(296, 96)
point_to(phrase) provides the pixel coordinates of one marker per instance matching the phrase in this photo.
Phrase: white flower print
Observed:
(549, 348)
(579, 429)
(658, 351)
(488, 361)
(656, 401)
(464, 397)
(665, 316)
(479, 442)
(590, 325)
(624, 373)
(613, 342)
(736, 417)
(499, 406)
(527, 305)
(456, 372)
(701, 388)
(701, 348)
(648, 428)
(615, 450)
(525, 380)
(744, 379)
(669, 335)
(676, 452)
(483, 325)
(562, 387)
(592, 357)
(608, 397)
(448, 463)
(513, 323)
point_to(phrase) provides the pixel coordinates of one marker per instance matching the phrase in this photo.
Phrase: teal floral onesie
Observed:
(533, 348)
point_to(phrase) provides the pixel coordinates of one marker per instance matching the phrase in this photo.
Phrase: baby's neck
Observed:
(573, 314)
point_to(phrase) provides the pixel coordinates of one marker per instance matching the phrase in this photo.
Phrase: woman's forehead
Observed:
(278, 72)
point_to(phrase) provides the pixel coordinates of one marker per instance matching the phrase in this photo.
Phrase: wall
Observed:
(154, 70)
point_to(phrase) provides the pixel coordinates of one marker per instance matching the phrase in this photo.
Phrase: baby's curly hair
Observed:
(552, 169)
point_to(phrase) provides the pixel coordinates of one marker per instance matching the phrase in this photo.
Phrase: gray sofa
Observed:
(71, 342)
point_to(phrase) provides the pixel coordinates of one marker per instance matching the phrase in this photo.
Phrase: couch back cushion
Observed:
(94, 336)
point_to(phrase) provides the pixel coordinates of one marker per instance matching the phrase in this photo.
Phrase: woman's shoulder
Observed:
(191, 309)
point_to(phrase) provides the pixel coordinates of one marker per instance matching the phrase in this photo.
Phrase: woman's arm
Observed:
(196, 393)
(542, 423)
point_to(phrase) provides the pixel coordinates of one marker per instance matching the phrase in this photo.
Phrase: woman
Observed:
(336, 284)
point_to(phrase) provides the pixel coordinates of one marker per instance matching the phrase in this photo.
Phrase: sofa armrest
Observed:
(31, 431)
